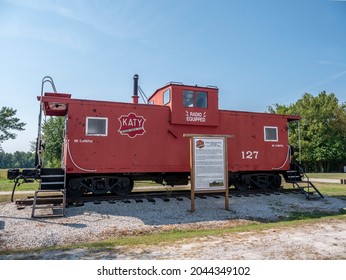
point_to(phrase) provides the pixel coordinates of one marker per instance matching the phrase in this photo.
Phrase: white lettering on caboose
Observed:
(132, 122)
(196, 116)
(131, 125)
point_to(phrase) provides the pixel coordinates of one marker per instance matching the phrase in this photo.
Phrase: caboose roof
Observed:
(177, 84)
(289, 118)
(55, 104)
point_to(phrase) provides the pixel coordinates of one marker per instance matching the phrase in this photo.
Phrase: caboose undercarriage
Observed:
(78, 185)
(122, 184)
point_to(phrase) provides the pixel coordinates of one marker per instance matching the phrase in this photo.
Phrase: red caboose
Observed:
(108, 145)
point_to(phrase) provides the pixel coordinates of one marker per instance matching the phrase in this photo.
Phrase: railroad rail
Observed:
(139, 197)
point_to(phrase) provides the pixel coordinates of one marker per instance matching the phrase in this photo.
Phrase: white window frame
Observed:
(277, 134)
(166, 93)
(96, 118)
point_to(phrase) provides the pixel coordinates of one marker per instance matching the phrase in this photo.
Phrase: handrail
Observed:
(46, 79)
(301, 171)
(143, 95)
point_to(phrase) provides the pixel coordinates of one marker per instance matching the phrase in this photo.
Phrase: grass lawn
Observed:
(327, 175)
(334, 190)
(7, 185)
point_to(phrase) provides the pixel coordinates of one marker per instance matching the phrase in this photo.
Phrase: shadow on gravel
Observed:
(257, 208)
(42, 221)
(75, 225)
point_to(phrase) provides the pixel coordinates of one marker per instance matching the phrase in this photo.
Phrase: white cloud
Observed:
(325, 62)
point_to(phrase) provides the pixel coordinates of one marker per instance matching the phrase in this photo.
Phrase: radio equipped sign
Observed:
(196, 116)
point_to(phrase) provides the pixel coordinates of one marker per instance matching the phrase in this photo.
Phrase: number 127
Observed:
(249, 154)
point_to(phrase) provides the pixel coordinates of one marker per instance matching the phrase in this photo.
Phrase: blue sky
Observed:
(257, 53)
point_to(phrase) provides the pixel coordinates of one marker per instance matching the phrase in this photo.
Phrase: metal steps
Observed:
(50, 203)
(308, 189)
(300, 180)
(52, 178)
(50, 199)
(293, 176)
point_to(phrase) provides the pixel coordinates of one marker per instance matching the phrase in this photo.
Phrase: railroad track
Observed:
(140, 197)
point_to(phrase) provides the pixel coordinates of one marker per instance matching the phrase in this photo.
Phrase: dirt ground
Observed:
(324, 240)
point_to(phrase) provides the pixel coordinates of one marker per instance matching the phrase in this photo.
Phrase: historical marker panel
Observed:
(209, 163)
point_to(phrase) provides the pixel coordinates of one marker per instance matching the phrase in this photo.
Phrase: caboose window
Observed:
(188, 98)
(166, 96)
(201, 100)
(197, 99)
(270, 133)
(96, 126)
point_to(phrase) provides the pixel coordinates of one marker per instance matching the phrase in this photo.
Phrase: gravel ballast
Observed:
(95, 222)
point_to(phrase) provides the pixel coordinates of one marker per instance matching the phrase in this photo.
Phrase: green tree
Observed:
(322, 130)
(9, 122)
(53, 135)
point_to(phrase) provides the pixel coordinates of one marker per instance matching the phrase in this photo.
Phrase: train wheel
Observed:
(275, 183)
(123, 186)
(240, 184)
(75, 187)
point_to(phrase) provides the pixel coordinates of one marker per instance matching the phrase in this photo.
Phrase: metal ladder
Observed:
(52, 192)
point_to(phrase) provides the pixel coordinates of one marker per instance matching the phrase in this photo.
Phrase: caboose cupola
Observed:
(189, 105)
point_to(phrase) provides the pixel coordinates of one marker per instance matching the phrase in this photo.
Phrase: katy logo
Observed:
(200, 144)
(131, 125)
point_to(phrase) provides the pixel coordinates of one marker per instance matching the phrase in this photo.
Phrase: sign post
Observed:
(209, 165)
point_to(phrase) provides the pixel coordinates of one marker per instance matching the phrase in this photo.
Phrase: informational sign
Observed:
(209, 165)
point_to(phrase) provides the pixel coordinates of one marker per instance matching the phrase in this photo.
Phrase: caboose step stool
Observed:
(51, 194)
(50, 199)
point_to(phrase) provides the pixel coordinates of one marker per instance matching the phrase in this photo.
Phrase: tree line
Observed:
(17, 160)
(319, 138)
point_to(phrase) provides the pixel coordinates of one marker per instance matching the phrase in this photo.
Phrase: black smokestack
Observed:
(135, 85)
